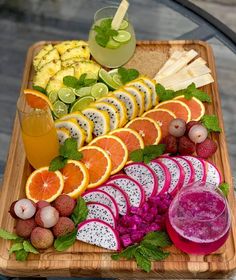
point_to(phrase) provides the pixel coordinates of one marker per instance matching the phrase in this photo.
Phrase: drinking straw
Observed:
(120, 14)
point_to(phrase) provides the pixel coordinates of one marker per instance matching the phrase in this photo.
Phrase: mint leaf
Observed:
(155, 254)
(70, 81)
(8, 235)
(16, 247)
(89, 82)
(127, 253)
(224, 187)
(57, 163)
(102, 40)
(142, 262)
(40, 89)
(156, 150)
(64, 242)
(69, 149)
(137, 155)
(211, 123)
(157, 238)
(106, 24)
(28, 247)
(127, 75)
(80, 212)
(201, 95)
(21, 255)
(81, 79)
(164, 94)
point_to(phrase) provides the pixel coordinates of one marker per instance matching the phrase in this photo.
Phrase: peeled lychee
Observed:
(64, 226)
(25, 227)
(41, 238)
(24, 208)
(12, 211)
(198, 133)
(42, 203)
(189, 125)
(177, 127)
(47, 217)
(65, 205)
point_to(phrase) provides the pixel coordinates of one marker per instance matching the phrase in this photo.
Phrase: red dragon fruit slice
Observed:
(199, 168)
(102, 197)
(162, 174)
(119, 196)
(188, 170)
(213, 175)
(132, 188)
(99, 233)
(101, 212)
(144, 175)
(176, 173)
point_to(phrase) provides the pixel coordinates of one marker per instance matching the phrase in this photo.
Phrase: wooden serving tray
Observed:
(87, 260)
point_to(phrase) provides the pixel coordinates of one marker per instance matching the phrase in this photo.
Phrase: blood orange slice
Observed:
(76, 178)
(115, 148)
(36, 99)
(98, 164)
(163, 117)
(179, 108)
(147, 128)
(196, 107)
(44, 185)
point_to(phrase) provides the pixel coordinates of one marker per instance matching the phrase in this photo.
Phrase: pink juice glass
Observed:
(198, 220)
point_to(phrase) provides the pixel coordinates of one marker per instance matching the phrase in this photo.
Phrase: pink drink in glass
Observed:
(198, 220)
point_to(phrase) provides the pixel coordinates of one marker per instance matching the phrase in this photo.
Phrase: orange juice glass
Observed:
(38, 133)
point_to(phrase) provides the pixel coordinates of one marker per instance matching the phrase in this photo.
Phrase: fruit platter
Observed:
(131, 178)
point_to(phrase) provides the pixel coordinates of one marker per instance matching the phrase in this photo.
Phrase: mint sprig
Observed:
(104, 32)
(73, 82)
(127, 75)
(148, 153)
(64, 242)
(211, 123)
(80, 212)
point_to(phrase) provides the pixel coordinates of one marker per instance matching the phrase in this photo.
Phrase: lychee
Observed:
(186, 146)
(171, 144)
(12, 211)
(25, 227)
(65, 205)
(64, 226)
(47, 217)
(41, 238)
(206, 149)
(42, 203)
(24, 208)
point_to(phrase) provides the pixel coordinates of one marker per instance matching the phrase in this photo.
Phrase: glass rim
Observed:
(22, 107)
(107, 7)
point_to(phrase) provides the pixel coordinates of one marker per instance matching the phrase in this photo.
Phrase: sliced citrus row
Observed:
(98, 163)
(115, 148)
(163, 117)
(147, 128)
(179, 108)
(196, 107)
(62, 134)
(152, 86)
(36, 99)
(44, 185)
(76, 178)
(130, 137)
(139, 97)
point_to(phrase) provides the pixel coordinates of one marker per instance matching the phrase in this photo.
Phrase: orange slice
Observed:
(163, 117)
(196, 107)
(115, 148)
(147, 128)
(130, 137)
(76, 178)
(36, 99)
(44, 185)
(179, 108)
(98, 164)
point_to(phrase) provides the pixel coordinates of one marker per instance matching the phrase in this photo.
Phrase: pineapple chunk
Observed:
(66, 45)
(51, 55)
(56, 81)
(46, 72)
(86, 66)
(40, 54)
(71, 61)
(80, 52)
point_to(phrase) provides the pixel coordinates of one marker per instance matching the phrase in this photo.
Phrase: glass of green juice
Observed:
(106, 48)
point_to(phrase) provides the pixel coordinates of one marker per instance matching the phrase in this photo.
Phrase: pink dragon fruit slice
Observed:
(199, 168)
(144, 175)
(213, 175)
(99, 233)
(162, 174)
(188, 170)
(102, 197)
(176, 173)
(119, 196)
(101, 212)
(132, 188)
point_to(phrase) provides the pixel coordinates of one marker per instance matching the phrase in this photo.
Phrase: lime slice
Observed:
(83, 91)
(99, 90)
(112, 44)
(124, 24)
(60, 109)
(107, 79)
(122, 37)
(116, 78)
(53, 96)
(81, 104)
(113, 72)
(66, 95)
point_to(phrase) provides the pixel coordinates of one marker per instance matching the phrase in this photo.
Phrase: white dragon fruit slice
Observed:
(188, 170)
(199, 168)
(102, 197)
(119, 196)
(213, 175)
(132, 188)
(145, 176)
(176, 173)
(162, 174)
(102, 212)
(99, 233)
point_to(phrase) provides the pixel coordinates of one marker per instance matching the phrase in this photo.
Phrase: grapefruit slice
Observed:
(36, 99)
(147, 128)
(115, 148)
(163, 117)
(196, 107)
(98, 164)
(179, 108)
(43, 184)
(76, 178)
(130, 137)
